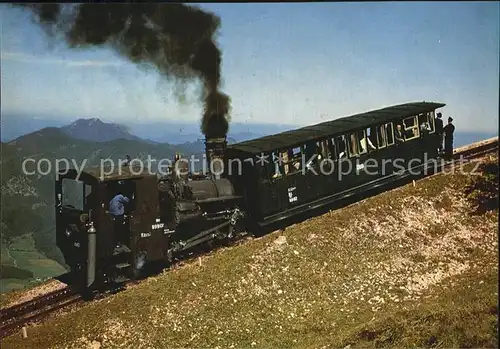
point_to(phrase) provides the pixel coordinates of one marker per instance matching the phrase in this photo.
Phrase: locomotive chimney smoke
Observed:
(178, 40)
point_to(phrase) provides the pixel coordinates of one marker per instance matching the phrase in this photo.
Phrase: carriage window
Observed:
(285, 167)
(411, 128)
(290, 161)
(72, 193)
(312, 152)
(423, 122)
(430, 120)
(310, 149)
(332, 149)
(342, 146)
(276, 172)
(381, 137)
(355, 146)
(389, 131)
(323, 150)
(367, 140)
(422, 118)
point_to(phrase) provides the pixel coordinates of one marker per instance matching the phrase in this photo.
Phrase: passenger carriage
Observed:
(299, 170)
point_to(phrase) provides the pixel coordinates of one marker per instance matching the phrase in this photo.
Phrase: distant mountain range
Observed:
(96, 130)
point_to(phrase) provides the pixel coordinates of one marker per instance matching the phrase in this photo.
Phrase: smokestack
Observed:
(215, 143)
(215, 148)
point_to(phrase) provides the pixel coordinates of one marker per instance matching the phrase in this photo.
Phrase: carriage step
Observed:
(122, 265)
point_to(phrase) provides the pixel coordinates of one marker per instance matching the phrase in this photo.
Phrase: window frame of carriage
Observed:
(384, 127)
(333, 152)
(327, 149)
(415, 128)
(280, 169)
(352, 138)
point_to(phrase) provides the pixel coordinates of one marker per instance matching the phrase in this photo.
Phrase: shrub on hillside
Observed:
(482, 190)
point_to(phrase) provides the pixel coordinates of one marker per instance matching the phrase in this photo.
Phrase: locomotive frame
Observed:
(163, 220)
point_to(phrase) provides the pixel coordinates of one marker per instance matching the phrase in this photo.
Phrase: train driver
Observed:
(117, 212)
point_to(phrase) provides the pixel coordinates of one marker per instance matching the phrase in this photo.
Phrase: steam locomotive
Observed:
(258, 183)
(164, 217)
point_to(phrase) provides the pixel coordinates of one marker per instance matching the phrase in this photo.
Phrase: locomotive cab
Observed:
(161, 219)
(87, 233)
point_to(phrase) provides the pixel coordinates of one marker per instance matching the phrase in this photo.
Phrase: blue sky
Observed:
(297, 63)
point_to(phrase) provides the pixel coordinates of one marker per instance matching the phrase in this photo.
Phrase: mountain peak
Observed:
(86, 122)
(95, 130)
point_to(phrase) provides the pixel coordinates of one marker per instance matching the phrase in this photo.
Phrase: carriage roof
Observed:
(302, 135)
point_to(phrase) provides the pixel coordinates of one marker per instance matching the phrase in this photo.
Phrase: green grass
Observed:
(22, 250)
(413, 267)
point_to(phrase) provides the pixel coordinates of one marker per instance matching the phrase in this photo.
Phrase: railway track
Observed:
(482, 148)
(13, 318)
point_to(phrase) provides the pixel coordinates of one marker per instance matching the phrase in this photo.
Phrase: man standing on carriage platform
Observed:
(448, 140)
(439, 131)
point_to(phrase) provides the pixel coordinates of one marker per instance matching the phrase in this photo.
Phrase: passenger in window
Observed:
(284, 157)
(448, 141)
(439, 131)
(354, 144)
(398, 135)
(364, 142)
(424, 128)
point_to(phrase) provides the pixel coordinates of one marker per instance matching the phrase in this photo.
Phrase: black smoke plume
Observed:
(178, 40)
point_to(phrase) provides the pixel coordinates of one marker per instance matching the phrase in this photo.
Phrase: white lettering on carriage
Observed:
(291, 196)
(145, 235)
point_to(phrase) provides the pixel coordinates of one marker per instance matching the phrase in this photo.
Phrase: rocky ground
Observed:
(13, 298)
(413, 267)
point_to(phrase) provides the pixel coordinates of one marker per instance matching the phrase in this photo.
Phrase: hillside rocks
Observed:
(19, 185)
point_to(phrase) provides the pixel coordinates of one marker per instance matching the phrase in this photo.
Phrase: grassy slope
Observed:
(411, 267)
(24, 252)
